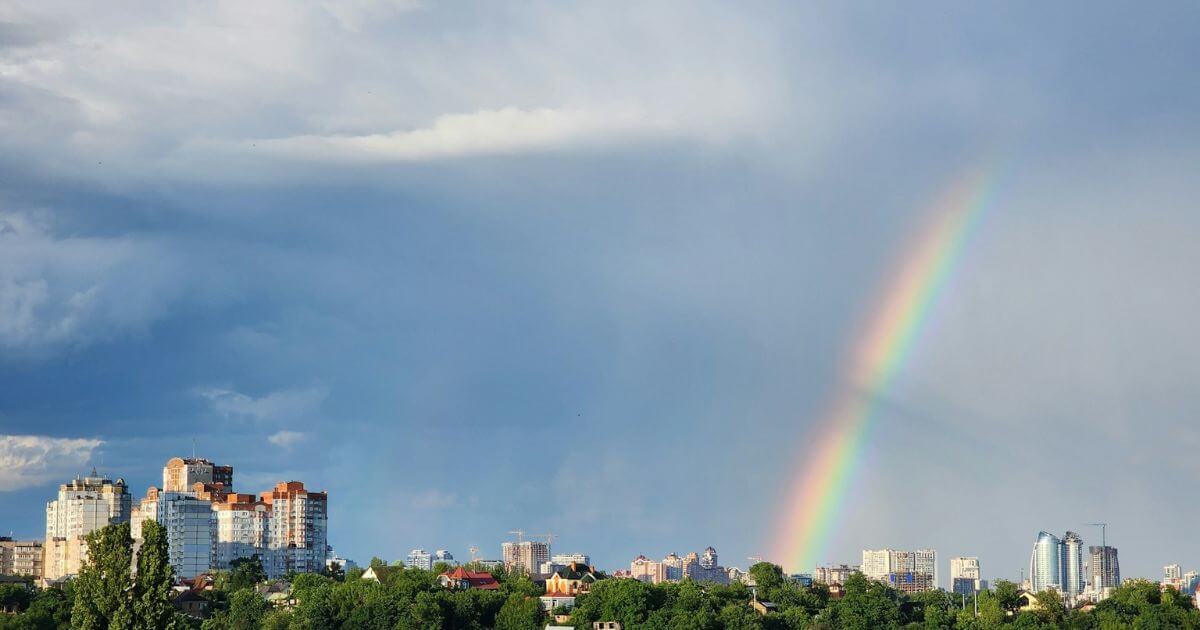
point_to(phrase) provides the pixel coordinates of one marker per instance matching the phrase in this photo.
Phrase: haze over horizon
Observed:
(595, 269)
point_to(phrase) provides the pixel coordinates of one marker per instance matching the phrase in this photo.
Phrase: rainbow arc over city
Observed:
(884, 344)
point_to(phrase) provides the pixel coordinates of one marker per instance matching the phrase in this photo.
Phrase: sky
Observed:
(591, 269)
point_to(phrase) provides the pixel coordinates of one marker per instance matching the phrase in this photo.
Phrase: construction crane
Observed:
(520, 534)
(549, 538)
(1102, 526)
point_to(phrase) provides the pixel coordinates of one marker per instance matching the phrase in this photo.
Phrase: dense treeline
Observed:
(107, 596)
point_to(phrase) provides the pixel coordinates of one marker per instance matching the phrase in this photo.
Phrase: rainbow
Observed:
(892, 329)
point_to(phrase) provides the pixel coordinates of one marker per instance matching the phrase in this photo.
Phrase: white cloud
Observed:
(280, 404)
(507, 130)
(203, 92)
(287, 439)
(29, 460)
(74, 290)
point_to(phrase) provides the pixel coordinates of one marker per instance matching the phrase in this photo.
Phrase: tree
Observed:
(1050, 607)
(104, 584)
(335, 572)
(866, 605)
(155, 577)
(519, 613)
(767, 576)
(247, 609)
(1007, 595)
(245, 573)
(14, 595)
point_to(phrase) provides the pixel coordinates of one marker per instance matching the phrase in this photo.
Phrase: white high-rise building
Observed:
(443, 556)
(964, 568)
(878, 563)
(562, 560)
(925, 561)
(419, 559)
(84, 505)
(243, 530)
(1045, 563)
(1073, 579)
(191, 532)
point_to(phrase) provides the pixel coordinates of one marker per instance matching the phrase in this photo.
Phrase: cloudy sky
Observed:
(591, 269)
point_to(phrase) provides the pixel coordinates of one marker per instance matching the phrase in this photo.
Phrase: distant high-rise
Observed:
(708, 559)
(925, 561)
(646, 570)
(84, 505)
(1106, 569)
(525, 556)
(191, 532)
(443, 556)
(299, 527)
(182, 474)
(243, 530)
(834, 575)
(878, 564)
(1045, 563)
(1172, 573)
(964, 574)
(673, 567)
(419, 559)
(1073, 581)
(21, 557)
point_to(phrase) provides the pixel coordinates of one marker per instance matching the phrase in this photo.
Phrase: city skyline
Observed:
(1054, 563)
(648, 277)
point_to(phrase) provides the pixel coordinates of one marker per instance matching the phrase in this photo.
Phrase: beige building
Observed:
(182, 474)
(21, 557)
(299, 528)
(525, 556)
(646, 570)
(84, 505)
(834, 575)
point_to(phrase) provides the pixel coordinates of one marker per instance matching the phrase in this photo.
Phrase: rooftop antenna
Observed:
(193, 448)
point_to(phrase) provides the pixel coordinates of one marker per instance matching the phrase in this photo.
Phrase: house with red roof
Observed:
(462, 579)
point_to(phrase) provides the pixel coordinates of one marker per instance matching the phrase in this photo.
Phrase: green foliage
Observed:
(155, 577)
(245, 573)
(102, 590)
(520, 612)
(105, 596)
(865, 605)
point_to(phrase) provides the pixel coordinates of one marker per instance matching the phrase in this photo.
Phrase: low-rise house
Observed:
(191, 603)
(462, 579)
(380, 573)
(278, 594)
(573, 579)
(550, 601)
(763, 607)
